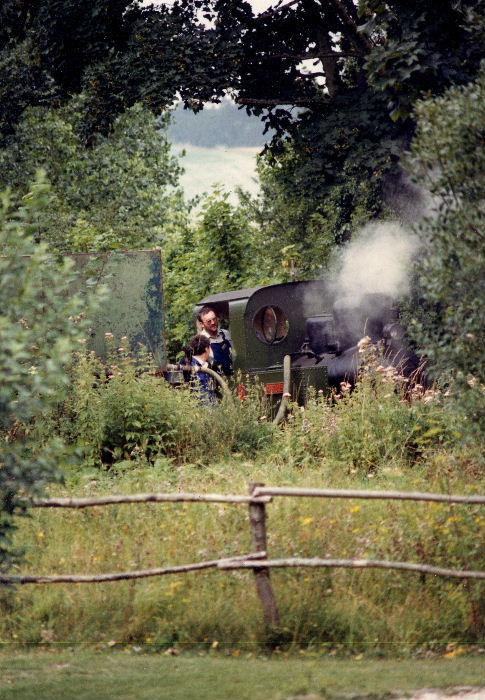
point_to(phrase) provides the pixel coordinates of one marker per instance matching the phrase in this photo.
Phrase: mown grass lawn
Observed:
(88, 675)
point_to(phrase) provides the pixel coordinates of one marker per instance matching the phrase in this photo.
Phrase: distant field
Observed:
(207, 167)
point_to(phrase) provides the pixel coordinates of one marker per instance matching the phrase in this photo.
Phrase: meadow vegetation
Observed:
(138, 435)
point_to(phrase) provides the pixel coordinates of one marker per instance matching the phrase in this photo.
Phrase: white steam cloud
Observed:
(377, 260)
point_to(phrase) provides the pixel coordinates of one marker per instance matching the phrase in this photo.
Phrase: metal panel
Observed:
(134, 303)
(301, 379)
(297, 300)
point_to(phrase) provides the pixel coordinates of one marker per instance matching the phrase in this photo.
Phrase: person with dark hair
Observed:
(198, 354)
(220, 340)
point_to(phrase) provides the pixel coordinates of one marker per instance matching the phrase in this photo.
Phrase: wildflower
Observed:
(472, 381)
(32, 369)
(364, 343)
(345, 387)
(306, 521)
(430, 396)
(109, 336)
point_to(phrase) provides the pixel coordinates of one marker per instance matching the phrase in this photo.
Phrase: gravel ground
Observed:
(461, 693)
(452, 694)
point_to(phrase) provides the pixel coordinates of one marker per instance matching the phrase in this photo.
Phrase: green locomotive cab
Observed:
(269, 322)
(306, 323)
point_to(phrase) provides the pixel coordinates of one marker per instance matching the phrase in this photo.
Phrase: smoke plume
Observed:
(376, 261)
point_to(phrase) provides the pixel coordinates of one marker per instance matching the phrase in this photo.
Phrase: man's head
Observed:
(209, 320)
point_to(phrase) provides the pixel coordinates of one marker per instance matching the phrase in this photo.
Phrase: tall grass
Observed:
(380, 435)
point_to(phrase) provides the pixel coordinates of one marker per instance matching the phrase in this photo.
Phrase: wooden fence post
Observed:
(257, 520)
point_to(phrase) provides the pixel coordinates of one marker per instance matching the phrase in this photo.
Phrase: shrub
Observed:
(124, 411)
(40, 324)
(449, 322)
(381, 423)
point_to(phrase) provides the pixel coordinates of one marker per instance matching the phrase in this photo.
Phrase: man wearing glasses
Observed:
(220, 340)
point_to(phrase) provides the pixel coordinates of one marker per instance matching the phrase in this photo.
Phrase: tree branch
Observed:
(315, 55)
(273, 11)
(348, 21)
(275, 101)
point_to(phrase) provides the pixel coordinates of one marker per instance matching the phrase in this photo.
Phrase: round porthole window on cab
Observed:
(270, 325)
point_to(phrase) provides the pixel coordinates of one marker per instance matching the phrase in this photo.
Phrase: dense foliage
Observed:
(82, 85)
(116, 52)
(216, 252)
(120, 193)
(335, 164)
(448, 159)
(369, 64)
(119, 53)
(40, 324)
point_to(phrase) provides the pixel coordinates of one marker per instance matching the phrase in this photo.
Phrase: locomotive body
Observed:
(318, 331)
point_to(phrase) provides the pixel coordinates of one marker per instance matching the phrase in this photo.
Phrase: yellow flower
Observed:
(307, 521)
(458, 651)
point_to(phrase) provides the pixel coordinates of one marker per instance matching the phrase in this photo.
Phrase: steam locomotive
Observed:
(302, 324)
(318, 332)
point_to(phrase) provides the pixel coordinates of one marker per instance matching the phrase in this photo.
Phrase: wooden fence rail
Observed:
(315, 562)
(146, 498)
(127, 575)
(262, 491)
(259, 496)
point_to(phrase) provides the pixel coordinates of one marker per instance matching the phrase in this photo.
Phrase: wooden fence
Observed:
(257, 500)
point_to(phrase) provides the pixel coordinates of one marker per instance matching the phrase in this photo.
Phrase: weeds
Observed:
(383, 423)
(154, 438)
(123, 411)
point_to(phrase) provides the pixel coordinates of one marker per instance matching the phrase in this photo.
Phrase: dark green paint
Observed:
(253, 357)
(133, 305)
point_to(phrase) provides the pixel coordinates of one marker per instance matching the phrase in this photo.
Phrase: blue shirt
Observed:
(204, 384)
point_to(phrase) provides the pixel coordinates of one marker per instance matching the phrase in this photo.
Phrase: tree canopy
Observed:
(122, 192)
(334, 81)
(449, 321)
(119, 53)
